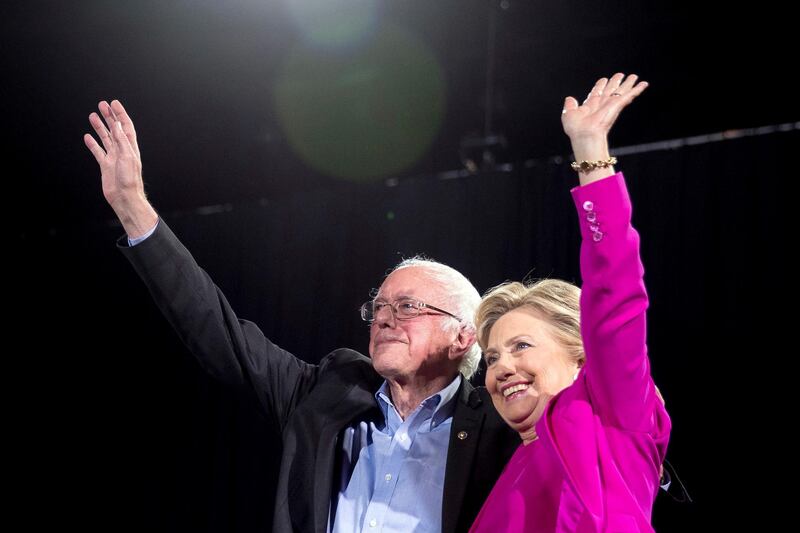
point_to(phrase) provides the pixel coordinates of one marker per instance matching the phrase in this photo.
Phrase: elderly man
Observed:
(396, 442)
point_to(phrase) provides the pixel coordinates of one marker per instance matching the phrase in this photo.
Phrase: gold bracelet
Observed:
(588, 166)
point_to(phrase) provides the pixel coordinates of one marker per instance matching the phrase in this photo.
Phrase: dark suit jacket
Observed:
(310, 404)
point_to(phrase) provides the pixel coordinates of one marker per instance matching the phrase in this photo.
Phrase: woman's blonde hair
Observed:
(554, 301)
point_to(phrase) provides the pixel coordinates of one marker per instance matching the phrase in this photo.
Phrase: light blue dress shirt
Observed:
(398, 480)
(137, 240)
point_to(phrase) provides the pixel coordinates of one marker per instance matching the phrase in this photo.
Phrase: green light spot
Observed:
(363, 114)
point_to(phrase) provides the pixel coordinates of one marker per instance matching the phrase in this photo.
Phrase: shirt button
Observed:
(373, 523)
(402, 437)
(588, 206)
(598, 236)
(387, 477)
(591, 217)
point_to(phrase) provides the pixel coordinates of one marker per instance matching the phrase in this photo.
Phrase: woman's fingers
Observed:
(607, 98)
(614, 84)
(620, 85)
(620, 98)
(637, 90)
(629, 82)
(570, 103)
(627, 92)
(597, 90)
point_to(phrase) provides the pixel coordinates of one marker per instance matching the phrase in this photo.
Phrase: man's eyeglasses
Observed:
(403, 309)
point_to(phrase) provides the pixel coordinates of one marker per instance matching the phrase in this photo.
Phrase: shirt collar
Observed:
(437, 407)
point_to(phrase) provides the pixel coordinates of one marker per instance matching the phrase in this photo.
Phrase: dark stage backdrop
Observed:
(119, 428)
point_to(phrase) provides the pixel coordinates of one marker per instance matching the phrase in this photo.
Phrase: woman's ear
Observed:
(578, 365)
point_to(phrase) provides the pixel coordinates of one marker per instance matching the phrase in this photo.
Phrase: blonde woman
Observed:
(568, 367)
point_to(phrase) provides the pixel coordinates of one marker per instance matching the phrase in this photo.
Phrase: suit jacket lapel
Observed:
(464, 436)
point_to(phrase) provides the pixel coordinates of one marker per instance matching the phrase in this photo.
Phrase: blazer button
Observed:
(462, 435)
(588, 205)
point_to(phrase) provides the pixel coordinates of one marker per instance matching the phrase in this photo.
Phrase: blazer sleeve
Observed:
(231, 350)
(613, 306)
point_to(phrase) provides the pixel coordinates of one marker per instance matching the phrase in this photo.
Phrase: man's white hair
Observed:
(462, 300)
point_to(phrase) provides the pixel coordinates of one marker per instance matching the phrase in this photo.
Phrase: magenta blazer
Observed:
(602, 440)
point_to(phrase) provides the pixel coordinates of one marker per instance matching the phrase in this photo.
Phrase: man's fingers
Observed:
(108, 114)
(102, 132)
(98, 153)
(121, 115)
(117, 134)
(125, 147)
(111, 120)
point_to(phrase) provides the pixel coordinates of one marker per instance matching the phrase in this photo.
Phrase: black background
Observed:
(112, 424)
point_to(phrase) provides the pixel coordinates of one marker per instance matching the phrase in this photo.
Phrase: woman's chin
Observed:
(519, 415)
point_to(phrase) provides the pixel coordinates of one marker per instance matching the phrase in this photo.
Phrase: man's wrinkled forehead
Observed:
(409, 282)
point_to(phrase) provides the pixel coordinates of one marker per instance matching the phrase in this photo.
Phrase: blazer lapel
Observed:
(464, 436)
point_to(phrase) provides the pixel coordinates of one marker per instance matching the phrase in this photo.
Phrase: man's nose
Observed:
(384, 317)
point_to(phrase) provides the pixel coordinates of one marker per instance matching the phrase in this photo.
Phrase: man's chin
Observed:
(389, 350)
(385, 362)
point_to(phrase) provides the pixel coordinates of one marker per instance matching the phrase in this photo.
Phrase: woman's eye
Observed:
(522, 345)
(490, 360)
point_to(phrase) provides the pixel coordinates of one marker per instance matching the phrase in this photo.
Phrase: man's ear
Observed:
(463, 341)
